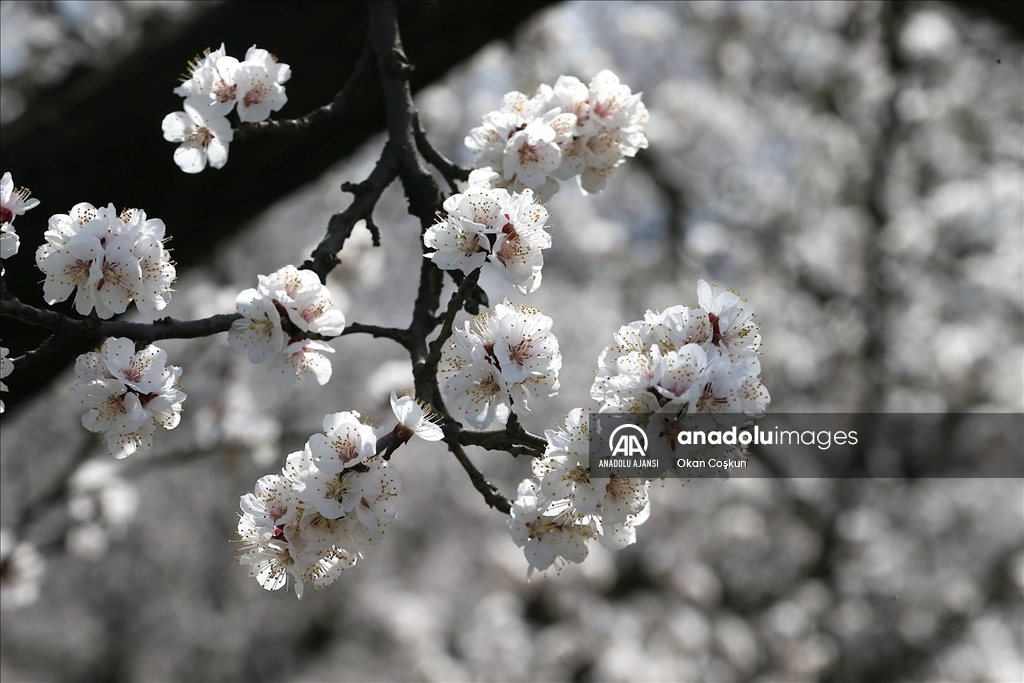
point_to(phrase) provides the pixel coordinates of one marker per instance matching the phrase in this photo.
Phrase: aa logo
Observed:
(628, 441)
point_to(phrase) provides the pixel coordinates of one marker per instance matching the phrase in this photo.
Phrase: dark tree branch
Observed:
(53, 347)
(94, 328)
(367, 193)
(476, 298)
(393, 333)
(449, 169)
(333, 110)
(499, 440)
(490, 492)
(454, 306)
(419, 185)
(65, 326)
(425, 200)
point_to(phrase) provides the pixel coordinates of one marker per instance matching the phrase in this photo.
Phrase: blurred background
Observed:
(855, 170)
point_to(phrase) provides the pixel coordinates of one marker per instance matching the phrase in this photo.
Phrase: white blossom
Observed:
(128, 394)
(73, 257)
(258, 332)
(685, 360)
(276, 317)
(563, 473)
(366, 491)
(531, 155)
(346, 442)
(332, 500)
(157, 270)
(300, 360)
(273, 503)
(731, 318)
(306, 301)
(548, 537)
(259, 81)
(488, 141)
(414, 419)
(616, 535)
(203, 134)
(111, 260)
(9, 241)
(496, 359)
(460, 240)
(481, 225)
(615, 506)
(14, 201)
(211, 81)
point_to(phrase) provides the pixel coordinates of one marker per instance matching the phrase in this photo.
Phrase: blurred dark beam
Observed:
(97, 137)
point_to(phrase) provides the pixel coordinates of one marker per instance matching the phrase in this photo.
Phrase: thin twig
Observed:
(367, 193)
(66, 326)
(499, 440)
(488, 490)
(449, 169)
(454, 306)
(334, 109)
(398, 335)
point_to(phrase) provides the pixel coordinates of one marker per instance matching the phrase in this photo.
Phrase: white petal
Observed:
(175, 126)
(190, 159)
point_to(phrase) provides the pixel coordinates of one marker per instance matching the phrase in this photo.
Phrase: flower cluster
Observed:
(331, 501)
(567, 130)
(481, 225)
(215, 85)
(674, 363)
(128, 394)
(13, 202)
(685, 360)
(278, 315)
(496, 359)
(110, 259)
(561, 508)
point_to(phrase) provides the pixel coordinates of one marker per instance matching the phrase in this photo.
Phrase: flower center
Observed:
(255, 95)
(528, 154)
(602, 109)
(716, 334)
(708, 402)
(200, 137)
(225, 92)
(80, 271)
(520, 353)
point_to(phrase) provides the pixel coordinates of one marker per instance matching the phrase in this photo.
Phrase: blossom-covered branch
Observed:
(337, 496)
(332, 110)
(64, 325)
